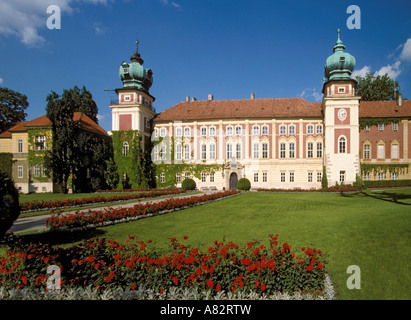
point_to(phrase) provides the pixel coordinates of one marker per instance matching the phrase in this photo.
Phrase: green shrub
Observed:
(188, 184)
(9, 203)
(244, 184)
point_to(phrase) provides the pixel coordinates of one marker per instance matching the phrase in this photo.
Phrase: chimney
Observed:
(193, 99)
(187, 98)
(399, 100)
(252, 96)
(210, 97)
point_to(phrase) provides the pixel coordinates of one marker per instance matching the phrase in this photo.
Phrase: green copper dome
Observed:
(134, 75)
(340, 64)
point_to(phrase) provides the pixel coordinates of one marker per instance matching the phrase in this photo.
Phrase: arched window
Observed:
(125, 148)
(342, 145)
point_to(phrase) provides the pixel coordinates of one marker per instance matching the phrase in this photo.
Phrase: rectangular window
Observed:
(256, 177)
(255, 151)
(292, 150)
(381, 127)
(282, 176)
(178, 177)
(265, 130)
(212, 131)
(229, 151)
(291, 129)
(265, 150)
(36, 170)
(212, 177)
(179, 132)
(186, 132)
(178, 152)
(310, 150)
(291, 176)
(367, 153)
(310, 177)
(186, 175)
(20, 172)
(238, 151)
(162, 132)
(394, 151)
(381, 176)
(319, 176)
(342, 177)
(40, 142)
(203, 177)
(186, 152)
(367, 176)
(381, 152)
(212, 151)
(238, 130)
(203, 131)
(319, 149)
(20, 146)
(265, 177)
(203, 152)
(282, 150)
(162, 177)
(43, 170)
(394, 126)
(394, 176)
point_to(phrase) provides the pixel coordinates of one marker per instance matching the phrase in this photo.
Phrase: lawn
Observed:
(370, 230)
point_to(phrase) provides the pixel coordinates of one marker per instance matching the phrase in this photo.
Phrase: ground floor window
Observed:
(162, 177)
(381, 176)
(310, 177)
(264, 176)
(256, 177)
(178, 177)
(203, 177)
(319, 176)
(342, 177)
(282, 176)
(291, 176)
(211, 177)
(395, 176)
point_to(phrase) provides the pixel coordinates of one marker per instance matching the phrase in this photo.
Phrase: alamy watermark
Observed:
(54, 20)
(354, 281)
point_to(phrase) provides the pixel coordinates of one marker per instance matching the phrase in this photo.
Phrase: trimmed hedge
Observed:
(188, 184)
(387, 183)
(244, 184)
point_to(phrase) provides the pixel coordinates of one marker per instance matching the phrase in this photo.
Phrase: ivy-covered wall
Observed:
(135, 169)
(6, 163)
(363, 122)
(37, 157)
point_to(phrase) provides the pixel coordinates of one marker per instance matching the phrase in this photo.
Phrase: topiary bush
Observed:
(9, 203)
(244, 184)
(188, 184)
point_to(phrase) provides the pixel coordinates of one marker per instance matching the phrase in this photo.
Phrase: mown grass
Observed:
(369, 229)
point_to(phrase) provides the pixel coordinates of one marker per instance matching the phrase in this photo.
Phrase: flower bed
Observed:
(104, 264)
(42, 205)
(96, 218)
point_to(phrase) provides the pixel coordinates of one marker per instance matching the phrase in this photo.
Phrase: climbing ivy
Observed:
(363, 122)
(37, 157)
(375, 168)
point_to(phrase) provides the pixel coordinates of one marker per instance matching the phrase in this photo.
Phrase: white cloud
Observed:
(171, 4)
(26, 18)
(362, 72)
(1, 80)
(406, 51)
(393, 70)
(316, 95)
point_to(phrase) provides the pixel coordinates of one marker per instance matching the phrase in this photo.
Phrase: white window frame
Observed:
(264, 130)
(212, 151)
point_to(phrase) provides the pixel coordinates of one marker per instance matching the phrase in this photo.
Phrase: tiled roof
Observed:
(385, 109)
(273, 108)
(85, 123)
(250, 108)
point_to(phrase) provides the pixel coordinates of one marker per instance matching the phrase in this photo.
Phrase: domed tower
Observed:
(133, 109)
(132, 113)
(341, 117)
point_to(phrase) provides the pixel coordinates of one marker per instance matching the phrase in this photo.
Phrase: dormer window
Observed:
(125, 70)
(341, 90)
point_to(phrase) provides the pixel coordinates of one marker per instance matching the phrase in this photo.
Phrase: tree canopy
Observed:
(12, 106)
(377, 88)
(76, 155)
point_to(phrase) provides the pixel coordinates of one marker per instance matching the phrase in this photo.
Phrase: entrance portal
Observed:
(233, 181)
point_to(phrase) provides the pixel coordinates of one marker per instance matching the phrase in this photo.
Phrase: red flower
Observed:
(262, 287)
(245, 261)
(320, 266)
(218, 287)
(175, 280)
(210, 284)
(257, 283)
(310, 267)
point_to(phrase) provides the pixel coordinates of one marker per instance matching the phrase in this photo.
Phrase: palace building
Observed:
(286, 143)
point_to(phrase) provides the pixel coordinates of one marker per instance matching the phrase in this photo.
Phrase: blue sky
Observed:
(196, 47)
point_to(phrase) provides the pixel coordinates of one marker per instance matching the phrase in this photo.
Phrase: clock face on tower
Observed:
(342, 114)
